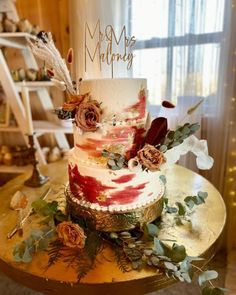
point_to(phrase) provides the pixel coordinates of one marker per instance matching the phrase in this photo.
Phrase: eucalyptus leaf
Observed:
(202, 195)
(105, 153)
(159, 247)
(177, 134)
(177, 253)
(194, 127)
(17, 257)
(171, 134)
(207, 276)
(171, 209)
(185, 265)
(163, 179)
(152, 229)
(163, 148)
(26, 258)
(181, 209)
(185, 130)
(189, 201)
(186, 277)
(170, 266)
(198, 200)
(178, 275)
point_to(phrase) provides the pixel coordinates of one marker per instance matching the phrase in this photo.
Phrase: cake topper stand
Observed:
(36, 179)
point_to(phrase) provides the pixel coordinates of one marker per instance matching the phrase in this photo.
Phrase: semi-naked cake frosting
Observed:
(120, 132)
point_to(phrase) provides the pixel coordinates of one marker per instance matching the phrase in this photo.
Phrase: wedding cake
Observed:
(109, 129)
(116, 165)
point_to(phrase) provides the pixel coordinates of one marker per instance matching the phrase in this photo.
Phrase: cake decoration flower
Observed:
(74, 101)
(71, 234)
(88, 115)
(151, 158)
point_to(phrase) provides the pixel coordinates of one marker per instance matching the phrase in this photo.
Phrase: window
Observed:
(178, 46)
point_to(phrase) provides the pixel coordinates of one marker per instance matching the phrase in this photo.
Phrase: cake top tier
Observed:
(122, 98)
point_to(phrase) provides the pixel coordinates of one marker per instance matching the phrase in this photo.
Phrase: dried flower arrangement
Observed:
(86, 111)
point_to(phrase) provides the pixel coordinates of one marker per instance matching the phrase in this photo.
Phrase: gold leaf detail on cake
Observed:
(101, 198)
(116, 148)
(101, 160)
(130, 138)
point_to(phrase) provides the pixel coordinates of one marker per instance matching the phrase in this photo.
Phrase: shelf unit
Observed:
(13, 93)
(14, 169)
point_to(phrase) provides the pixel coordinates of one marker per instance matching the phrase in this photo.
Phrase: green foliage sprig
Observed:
(144, 251)
(135, 249)
(183, 210)
(115, 160)
(38, 240)
(49, 210)
(175, 138)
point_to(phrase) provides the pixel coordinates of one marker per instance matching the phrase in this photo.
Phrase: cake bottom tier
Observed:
(105, 190)
(104, 220)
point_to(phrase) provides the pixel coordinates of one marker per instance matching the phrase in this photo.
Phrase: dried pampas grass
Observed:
(45, 49)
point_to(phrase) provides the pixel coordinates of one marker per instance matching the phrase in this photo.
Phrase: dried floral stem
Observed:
(45, 49)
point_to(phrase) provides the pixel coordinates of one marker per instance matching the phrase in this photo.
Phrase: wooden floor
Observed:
(230, 282)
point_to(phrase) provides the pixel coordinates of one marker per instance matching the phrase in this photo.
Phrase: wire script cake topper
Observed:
(107, 46)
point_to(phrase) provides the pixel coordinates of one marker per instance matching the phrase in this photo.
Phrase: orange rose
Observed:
(88, 115)
(71, 234)
(150, 157)
(74, 101)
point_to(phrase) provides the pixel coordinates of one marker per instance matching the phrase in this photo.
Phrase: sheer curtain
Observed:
(184, 48)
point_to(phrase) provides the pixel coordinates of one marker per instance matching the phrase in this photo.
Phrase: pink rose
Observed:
(71, 234)
(150, 157)
(88, 115)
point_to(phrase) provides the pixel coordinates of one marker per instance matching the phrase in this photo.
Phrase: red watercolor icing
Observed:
(117, 135)
(128, 195)
(150, 194)
(90, 186)
(124, 178)
(139, 106)
(90, 149)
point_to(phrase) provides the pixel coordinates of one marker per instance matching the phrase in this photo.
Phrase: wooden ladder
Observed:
(13, 89)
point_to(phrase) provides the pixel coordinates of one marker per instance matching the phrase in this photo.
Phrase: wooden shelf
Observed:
(13, 169)
(15, 40)
(17, 35)
(34, 85)
(12, 89)
(42, 127)
(10, 129)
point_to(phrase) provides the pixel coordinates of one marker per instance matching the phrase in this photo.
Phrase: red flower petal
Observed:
(167, 104)
(157, 131)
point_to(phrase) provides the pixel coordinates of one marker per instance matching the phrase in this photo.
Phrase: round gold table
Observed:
(200, 239)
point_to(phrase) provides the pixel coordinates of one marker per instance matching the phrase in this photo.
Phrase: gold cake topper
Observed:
(105, 43)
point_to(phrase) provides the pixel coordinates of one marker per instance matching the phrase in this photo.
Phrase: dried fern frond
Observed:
(45, 49)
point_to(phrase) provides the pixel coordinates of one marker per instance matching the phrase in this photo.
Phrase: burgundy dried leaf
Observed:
(167, 104)
(156, 132)
(50, 73)
(70, 56)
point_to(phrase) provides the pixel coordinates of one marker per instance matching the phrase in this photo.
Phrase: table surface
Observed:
(200, 238)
